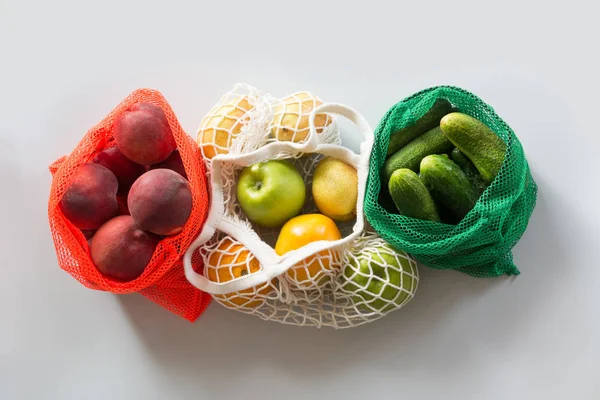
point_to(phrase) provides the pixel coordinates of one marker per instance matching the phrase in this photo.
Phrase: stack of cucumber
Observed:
(438, 167)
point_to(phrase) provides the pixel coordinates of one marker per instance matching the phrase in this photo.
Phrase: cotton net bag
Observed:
(163, 281)
(322, 283)
(480, 244)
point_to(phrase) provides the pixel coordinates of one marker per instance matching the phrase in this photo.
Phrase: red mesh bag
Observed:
(163, 281)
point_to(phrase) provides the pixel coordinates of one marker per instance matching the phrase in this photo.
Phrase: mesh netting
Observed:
(314, 272)
(343, 285)
(290, 117)
(163, 281)
(480, 244)
(245, 109)
(225, 121)
(365, 281)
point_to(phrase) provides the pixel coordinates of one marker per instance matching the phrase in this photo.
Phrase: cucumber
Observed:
(448, 184)
(469, 169)
(459, 158)
(477, 141)
(446, 216)
(385, 201)
(411, 196)
(410, 156)
(428, 121)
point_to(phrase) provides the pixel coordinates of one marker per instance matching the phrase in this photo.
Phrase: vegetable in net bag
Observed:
(480, 244)
(163, 279)
(339, 283)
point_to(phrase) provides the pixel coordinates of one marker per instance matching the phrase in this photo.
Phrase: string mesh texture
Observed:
(290, 117)
(480, 245)
(314, 272)
(163, 280)
(321, 290)
(246, 119)
(334, 300)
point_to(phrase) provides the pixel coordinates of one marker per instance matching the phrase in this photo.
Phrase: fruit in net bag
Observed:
(299, 232)
(143, 134)
(121, 250)
(163, 280)
(91, 199)
(124, 169)
(380, 278)
(173, 162)
(271, 192)
(160, 201)
(335, 189)
(290, 122)
(231, 260)
(222, 125)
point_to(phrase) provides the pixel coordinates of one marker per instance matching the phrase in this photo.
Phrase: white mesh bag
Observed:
(245, 119)
(338, 283)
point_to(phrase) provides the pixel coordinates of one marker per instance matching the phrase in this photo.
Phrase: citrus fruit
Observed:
(335, 189)
(221, 125)
(290, 122)
(231, 260)
(300, 231)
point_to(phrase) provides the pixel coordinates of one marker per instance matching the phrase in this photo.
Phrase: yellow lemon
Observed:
(335, 189)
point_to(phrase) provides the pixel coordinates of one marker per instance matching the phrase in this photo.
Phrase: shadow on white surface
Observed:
(224, 342)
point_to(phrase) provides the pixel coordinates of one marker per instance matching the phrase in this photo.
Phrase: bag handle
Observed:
(312, 141)
(278, 264)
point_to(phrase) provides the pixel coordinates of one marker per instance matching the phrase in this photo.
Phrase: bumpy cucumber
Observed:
(410, 156)
(448, 184)
(477, 141)
(428, 121)
(469, 169)
(411, 196)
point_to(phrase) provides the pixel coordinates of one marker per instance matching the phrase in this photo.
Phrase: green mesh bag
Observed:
(480, 244)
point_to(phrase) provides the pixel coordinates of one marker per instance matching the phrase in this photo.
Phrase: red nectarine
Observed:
(91, 200)
(160, 201)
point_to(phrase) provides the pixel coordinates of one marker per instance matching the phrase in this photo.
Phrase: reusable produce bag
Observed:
(241, 268)
(163, 280)
(480, 245)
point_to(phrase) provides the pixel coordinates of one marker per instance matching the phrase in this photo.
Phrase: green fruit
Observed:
(478, 142)
(371, 275)
(469, 169)
(410, 156)
(411, 196)
(428, 121)
(271, 192)
(448, 184)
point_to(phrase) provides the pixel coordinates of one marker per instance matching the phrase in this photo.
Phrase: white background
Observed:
(65, 64)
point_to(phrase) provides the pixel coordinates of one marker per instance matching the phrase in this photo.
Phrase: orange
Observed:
(232, 260)
(223, 124)
(290, 122)
(300, 231)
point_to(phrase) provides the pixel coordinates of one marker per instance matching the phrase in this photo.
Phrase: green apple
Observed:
(369, 275)
(271, 192)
